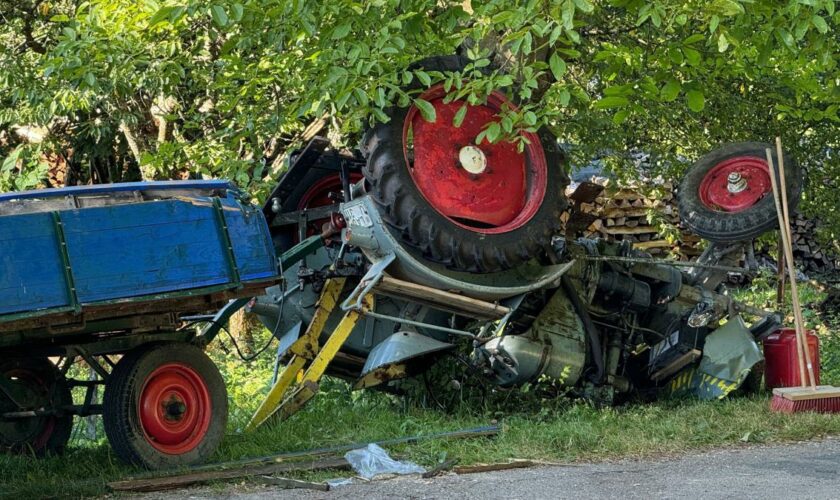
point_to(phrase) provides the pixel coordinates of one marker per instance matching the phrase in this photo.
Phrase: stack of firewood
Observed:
(644, 216)
(631, 214)
(807, 251)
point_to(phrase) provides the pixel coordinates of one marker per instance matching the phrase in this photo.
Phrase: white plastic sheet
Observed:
(372, 461)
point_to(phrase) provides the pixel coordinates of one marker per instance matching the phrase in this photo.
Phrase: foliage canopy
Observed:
(222, 87)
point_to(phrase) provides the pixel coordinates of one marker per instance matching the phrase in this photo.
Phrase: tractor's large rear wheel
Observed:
(473, 207)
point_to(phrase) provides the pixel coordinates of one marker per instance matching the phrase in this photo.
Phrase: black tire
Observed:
(721, 226)
(37, 435)
(122, 406)
(413, 220)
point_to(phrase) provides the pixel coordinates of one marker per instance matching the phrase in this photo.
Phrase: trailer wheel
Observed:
(472, 207)
(39, 385)
(165, 406)
(727, 196)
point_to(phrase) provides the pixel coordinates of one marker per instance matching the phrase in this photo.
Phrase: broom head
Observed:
(819, 399)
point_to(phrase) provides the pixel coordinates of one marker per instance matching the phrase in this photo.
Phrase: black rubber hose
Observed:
(594, 336)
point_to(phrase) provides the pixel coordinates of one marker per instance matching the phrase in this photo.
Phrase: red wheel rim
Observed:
(174, 408)
(486, 188)
(736, 184)
(321, 194)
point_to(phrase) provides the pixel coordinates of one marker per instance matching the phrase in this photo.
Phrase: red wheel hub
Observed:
(174, 408)
(486, 188)
(321, 194)
(735, 184)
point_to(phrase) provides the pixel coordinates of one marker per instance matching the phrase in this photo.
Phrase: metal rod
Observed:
(664, 262)
(417, 323)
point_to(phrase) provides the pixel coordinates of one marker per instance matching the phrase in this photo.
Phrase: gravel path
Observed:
(800, 470)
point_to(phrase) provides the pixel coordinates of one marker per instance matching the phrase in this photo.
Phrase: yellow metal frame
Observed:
(296, 386)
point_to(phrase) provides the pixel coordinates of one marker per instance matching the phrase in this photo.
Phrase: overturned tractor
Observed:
(429, 237)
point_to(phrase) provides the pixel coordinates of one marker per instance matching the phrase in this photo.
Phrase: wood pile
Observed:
(632, 214)
(638, 215)
(807, 251)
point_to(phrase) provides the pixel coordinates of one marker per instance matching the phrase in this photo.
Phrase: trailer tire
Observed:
(165, 405)
(38, 435)
(476, 208)
(711, 210)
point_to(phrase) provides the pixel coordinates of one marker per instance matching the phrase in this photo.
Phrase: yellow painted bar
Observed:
(277, 393)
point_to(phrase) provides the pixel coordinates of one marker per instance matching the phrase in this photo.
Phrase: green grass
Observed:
(555, 430)
(573, 432)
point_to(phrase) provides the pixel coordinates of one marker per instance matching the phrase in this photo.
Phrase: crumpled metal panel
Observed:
(400, 347)
(730, 352)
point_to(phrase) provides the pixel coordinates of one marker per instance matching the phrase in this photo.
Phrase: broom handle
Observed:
(784, 237)
(793, 286)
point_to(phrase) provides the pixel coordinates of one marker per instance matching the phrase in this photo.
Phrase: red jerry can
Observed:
(781, 363)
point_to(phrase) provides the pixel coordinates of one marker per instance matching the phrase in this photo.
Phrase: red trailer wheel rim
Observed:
(174, 408)
(486, 188)
(719, 189)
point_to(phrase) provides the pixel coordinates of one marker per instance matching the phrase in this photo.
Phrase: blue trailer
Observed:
(113, 274)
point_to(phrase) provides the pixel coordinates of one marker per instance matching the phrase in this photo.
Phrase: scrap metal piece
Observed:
(401, 347)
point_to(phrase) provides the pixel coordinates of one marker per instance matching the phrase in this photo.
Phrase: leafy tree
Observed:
(165, 88)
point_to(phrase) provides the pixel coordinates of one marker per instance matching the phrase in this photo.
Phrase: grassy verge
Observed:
(552, 429)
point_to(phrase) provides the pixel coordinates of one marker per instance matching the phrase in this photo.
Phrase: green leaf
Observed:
(670, 90)
(697, 37)
(530, 118)
(620, 116)
(426, 109)
(564, 97)
(557, 65)
(713, 24)
(424, 77)
(458, 119)
(238, 11)
(820, 24)
(493, 132)
(162, 15)
(723, 43)
(696, 100)
(584, 6)
(611, 102)
(219, 15)
(692, 56)
(341, 31)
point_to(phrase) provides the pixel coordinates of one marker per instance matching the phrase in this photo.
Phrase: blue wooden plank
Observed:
(251, 240)
(116, 188)
(129, 250)
(32, 276)
(170, 245)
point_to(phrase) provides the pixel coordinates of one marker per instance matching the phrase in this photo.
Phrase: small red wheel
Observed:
(727, 195)
(736, 184)
(175, 408)
(165, 405)
(489, 188)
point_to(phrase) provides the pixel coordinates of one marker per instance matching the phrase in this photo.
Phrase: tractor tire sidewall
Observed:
(122, 398)
(416, 222)
(721, 226)
(62, 425)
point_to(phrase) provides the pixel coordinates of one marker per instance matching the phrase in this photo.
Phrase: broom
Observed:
(808, 397)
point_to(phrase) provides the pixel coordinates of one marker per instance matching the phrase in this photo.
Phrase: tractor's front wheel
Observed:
(165, 405)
